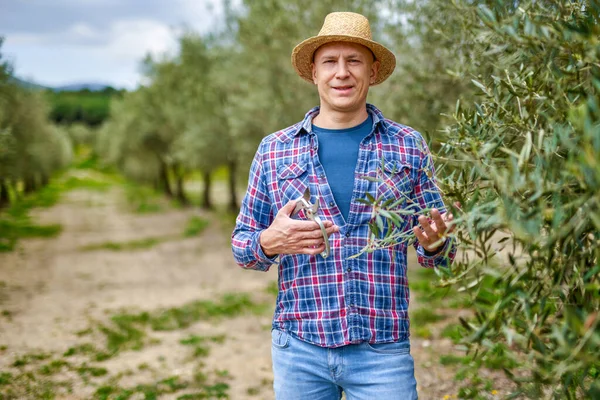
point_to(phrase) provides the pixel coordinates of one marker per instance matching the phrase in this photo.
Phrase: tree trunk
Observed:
(180, 192)
(44, 180)
(163, 180)
(207, 179)
(4, 194)
(233, 202)
(29, 184)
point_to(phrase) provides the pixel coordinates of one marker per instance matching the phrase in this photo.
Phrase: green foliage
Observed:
(520, 154)
(31, 148)
(87, 107)
(523, 161)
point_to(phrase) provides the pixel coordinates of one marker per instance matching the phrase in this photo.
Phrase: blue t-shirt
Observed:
(338, 153)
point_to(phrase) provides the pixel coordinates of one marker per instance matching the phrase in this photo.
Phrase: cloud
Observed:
(100, 40)
(123, 39)
(134, 38)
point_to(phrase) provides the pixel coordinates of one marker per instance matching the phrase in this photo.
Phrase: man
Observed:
(341, 322)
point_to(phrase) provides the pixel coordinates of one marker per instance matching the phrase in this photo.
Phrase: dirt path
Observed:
(52, 289)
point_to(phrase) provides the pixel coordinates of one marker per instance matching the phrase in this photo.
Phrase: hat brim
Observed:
(302, 55)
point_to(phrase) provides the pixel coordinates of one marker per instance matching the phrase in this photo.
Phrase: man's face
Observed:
(343, 73)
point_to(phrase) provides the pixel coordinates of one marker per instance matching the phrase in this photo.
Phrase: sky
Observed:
(60, 42)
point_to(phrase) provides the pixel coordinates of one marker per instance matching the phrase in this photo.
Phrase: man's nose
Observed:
(342, 69)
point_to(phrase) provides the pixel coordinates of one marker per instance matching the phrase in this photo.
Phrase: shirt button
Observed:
(349, 269)
(322, 176)
(347, 234)
(331, 204)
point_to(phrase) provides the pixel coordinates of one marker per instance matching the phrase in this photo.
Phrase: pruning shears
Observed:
(310, 210)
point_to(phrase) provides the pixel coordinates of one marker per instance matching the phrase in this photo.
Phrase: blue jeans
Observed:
(363, 371)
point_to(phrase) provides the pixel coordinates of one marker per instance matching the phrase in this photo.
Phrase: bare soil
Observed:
(52, 289)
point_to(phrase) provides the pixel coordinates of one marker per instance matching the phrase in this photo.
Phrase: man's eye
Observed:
(328, 61)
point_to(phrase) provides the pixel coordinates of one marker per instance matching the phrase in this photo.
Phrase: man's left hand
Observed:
(432, 235)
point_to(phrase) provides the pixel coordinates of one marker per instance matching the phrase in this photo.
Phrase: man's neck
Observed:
(332, 119)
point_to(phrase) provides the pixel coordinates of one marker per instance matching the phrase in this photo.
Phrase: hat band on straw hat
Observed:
(342, 27)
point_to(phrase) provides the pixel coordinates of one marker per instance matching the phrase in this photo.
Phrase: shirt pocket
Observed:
(395, 186)
(292, 180)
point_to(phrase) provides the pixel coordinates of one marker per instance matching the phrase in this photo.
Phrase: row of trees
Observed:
(31, 148)
(212, 103)
(82, 106)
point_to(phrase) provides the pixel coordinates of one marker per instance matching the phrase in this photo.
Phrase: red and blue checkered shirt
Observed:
(341, 299)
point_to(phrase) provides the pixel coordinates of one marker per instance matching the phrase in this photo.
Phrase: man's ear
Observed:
(374, 71)
(314, 73)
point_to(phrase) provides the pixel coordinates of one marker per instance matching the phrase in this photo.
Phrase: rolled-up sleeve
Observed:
(254, 217)
(427, 195)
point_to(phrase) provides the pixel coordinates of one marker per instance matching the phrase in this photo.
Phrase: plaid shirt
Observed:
(340, 300)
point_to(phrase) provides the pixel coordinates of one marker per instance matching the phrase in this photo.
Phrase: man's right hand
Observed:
(289, 236)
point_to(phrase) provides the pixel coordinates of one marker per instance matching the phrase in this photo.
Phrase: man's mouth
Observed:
(343, 89)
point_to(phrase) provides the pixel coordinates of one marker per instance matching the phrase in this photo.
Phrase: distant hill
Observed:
(27, 84)
(73, 87)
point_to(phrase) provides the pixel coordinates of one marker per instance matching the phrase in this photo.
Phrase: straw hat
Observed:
(342, 27)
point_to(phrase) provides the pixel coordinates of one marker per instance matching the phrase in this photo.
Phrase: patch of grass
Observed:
(15, 222)
(272, 288)
(14, 229)
(87, 163)
(29, 386)
(85, 348)
(76, 182)
(423, 316)
(85, 371)
(453, 332)
(451, 359)
(53, 367)
(5, 378)
(253, 391)
(111, 392)
(148, 391)
(83, 332)
(26, 359)
(43, 198)
(127, 246)
(144, 367)
(201, 351)
(128, 331)
(216, 391)
(181, 317)
(142, 199)
(194, 340)
(423, 332)
(195, 226)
